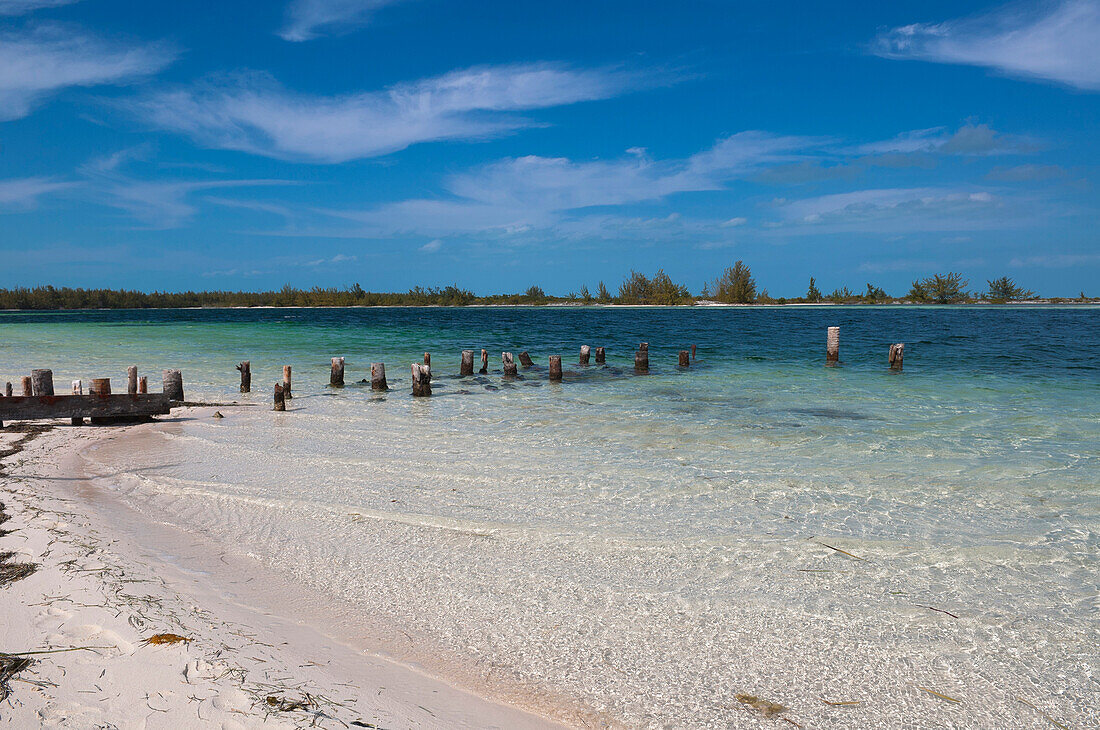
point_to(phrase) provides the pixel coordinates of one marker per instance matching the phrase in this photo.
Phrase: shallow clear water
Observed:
(653, 546)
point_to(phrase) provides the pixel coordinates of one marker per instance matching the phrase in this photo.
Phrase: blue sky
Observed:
(246, 145)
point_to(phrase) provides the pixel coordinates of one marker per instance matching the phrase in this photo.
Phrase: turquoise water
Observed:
(650, 546)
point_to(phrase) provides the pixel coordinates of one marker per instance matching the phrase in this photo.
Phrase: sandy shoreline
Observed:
(108, 579)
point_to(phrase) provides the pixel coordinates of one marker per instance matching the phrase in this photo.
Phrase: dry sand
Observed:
(105, 583)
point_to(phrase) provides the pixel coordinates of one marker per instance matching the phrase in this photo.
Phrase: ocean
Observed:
(654, 548)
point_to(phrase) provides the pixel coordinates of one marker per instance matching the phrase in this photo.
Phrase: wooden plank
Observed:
(83, 406)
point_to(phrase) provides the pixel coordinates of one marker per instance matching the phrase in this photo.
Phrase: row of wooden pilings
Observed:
(40, 383)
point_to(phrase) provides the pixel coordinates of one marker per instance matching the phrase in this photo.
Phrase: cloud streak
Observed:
(41, 62)
(1057, 42)
(23, 193)
(309, 19)
(252, 113)
(22, 7)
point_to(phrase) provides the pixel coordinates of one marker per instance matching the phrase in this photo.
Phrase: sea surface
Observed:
(921, 546)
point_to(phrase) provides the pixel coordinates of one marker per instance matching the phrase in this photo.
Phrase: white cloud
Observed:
(253, 113)
(898, 210)
(49, 58)
(432, 246)
(22, 7)
(1055, 261)
(23, 193)
(733, 222)
(308, 19)
(969, 139)
(1057, 41)
(337, 259)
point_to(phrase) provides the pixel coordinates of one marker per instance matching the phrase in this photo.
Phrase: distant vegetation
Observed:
(735, 285)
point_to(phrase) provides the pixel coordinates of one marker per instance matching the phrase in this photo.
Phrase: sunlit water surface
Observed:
(654, 546)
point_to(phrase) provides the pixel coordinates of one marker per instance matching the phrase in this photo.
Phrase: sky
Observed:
(496, 145)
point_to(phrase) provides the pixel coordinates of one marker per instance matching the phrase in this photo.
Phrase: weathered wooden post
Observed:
(378, 376)
(601, 356)
(336, 375)
(143, 384)
(509, 364)
(467, 367)
(246, 375)
(28, 389)
(173, 385)
(131, 379)
(685, 358)
(832, 345)
(99, 386)
(7, 390)
(585, 352)
(896, 353)
(641, 358)
(42, 382)
(693, 352)
(555, 368)
(428, 362)
(525, 360)
(484, 361)
(421, 380)
(78, 389)
(280, 398)
(286, 382)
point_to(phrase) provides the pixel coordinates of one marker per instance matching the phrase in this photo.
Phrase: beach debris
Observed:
(9, 667)
(218, 414)
(11, 572)
(767, 707)
(933, 608)
(158, 639)
(841, 703)
(282, 704)
(940, 695)
(1029, 704)
(843, 552)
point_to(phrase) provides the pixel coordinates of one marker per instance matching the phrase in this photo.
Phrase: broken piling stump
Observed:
(484, 361)
(555, 368)
(78, 389)
(832, 345)
(143, 385)
(897, 351)
(585, 354)
(378, 376)
(421, 380)
(100, 386)
(131, 379)
(42, 382)
(641, 358)
(467, 367)
(7, 390)
(280, 398)
(28, 389)
(245, 366)
(693, 352)
(173, 385)
(509, 364)
(428, 362)
(601, 356)
(286, 382)
(685, 359)
(336, 374)
(525, 360)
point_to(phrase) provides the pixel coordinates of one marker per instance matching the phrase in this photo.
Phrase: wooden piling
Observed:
(245, 367)
(287, 393)
(143, 384)
(421, 380)
(99, 386)
(509, 364)
(78, 389)
(832, 345)
(336, 374)
(641, 358)
(280, 398)
(42, 382)
(601, 356)
(28, 389)
(685, 358)
(131, 380)
(428, 362)
(173, 385)
(378, 376)
(693, 352)
(585, 354)
(7, 390)
(525, 360)
(897, 351)
(484, 361)
(467, 367)
(555, 367)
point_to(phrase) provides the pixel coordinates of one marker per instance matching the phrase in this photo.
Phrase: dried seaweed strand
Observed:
(1045, 715)
(933, 608)
(941, 696)
(845, 552)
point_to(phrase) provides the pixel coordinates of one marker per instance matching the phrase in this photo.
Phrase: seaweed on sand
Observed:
(10, 571)
(767, 707)
(9, 667)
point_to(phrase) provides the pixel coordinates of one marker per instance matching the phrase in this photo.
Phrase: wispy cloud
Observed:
(23, 193)
(22, 7)
(969, 139)
(897, 210)
(308, 19)
(1027, 173)
(40, 62)
(1053, 41)
(251, 112)
(339, 258)
(1055, 261)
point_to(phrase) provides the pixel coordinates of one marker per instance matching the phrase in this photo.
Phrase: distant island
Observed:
(735, 285)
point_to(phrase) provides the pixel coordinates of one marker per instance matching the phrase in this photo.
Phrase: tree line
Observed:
(735, 285)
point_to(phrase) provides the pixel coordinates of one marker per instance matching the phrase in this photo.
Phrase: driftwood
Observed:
(83, 406)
